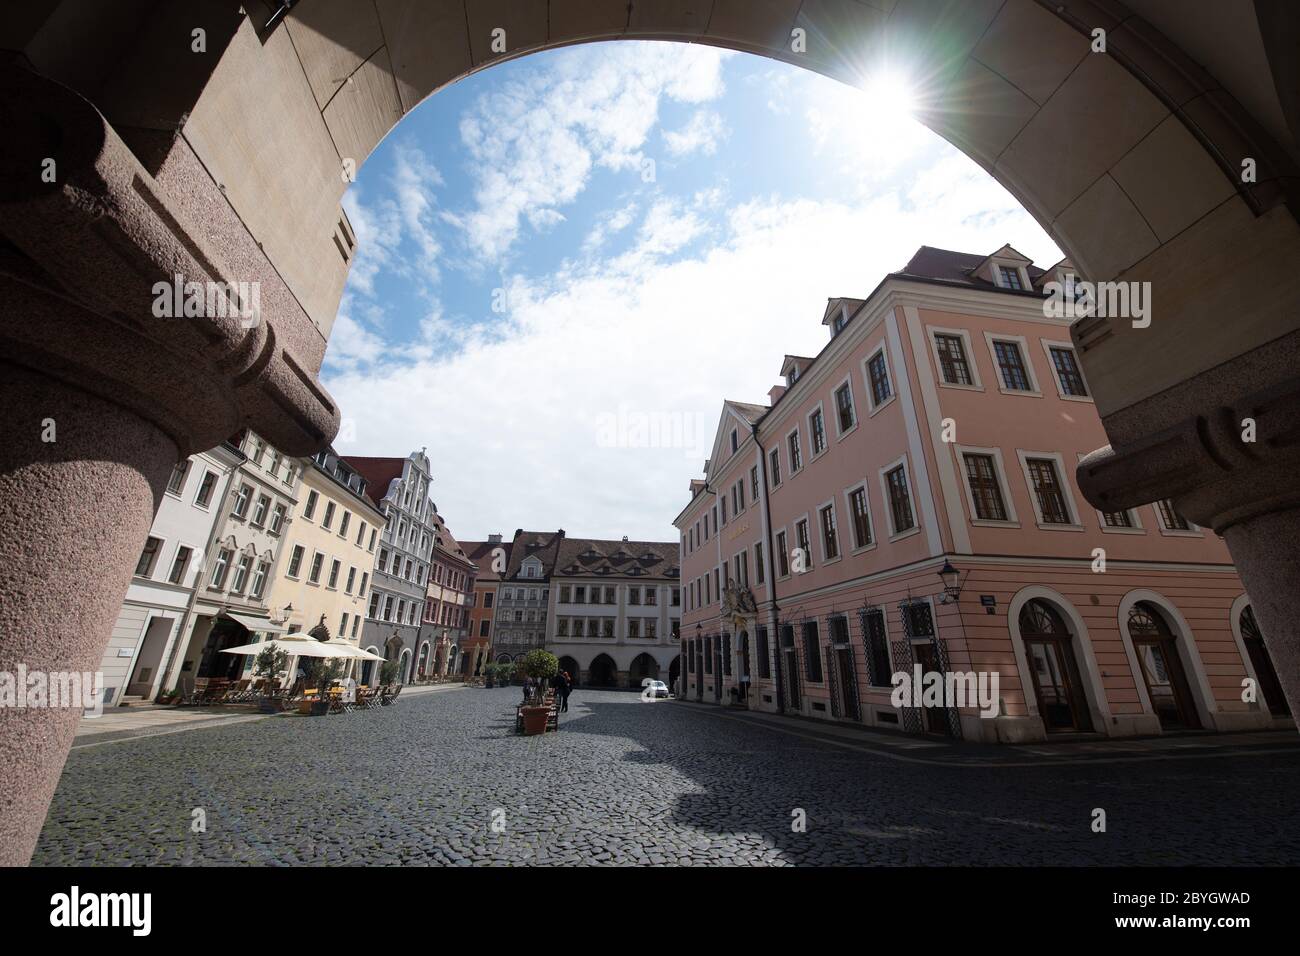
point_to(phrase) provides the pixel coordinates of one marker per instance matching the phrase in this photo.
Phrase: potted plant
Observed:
(505, 674)
(321, 673)
(490, 675)
(269, 664)
(541, 666)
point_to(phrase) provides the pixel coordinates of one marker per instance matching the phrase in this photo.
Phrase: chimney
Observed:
(774, 394)
(494, 539)
(624, 537)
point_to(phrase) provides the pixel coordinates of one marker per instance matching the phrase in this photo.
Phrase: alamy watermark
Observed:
(193, 300)
(1075, 298)
(74, 690)
(633, 428)
(923, 688)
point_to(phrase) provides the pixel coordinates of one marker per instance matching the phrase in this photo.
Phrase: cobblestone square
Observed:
(441, 779)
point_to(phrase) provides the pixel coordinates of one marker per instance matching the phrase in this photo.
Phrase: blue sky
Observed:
(568, 260)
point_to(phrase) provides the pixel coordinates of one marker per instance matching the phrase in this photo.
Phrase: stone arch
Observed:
(1093, 689)
(404, 666)
(422, 663)
(601, 672)
(1256, 659)
(642, 667)
(1202, 696)
(674, 670)
(570, 664)
(370, 669)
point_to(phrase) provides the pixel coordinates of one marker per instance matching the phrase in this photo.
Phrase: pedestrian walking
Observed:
(565, 688)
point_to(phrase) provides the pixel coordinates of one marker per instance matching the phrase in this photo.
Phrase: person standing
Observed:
(565, 688)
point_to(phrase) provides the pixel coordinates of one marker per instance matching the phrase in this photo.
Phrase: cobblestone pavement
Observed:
(627, 782)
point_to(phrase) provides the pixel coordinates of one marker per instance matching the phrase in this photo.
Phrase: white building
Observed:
(171, 563)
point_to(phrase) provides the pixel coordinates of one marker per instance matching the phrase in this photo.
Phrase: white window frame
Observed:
(791, 471)
(794, 530)
(1035, 390)
(882, 473)
(1048, 345)
(839, 533)
(781, 542)
(853, 403)
(1004, 487)
(1063, 476)
(1193, 530)
(864, 484)
(933, 332)
(826, 435)
(882, 348)
(1025, 284)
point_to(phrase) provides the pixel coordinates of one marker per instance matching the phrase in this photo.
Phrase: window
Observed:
(985, 491)
(764, 665)
(838, 323)
(334, 573)
(176, 482)
(734, 442)
(759, 573)
(374, 605)
(878, 379)
(144, 567)
(309, 509)
(801, 536)
(633, 595)
(220, 568)
(677, 597)
(1048, 491)
(1067, 371)
(260, 510)
(343, 523)
(277, 519)
(1010, 277)
(295, 561)
(796, 458)
(724, 509)
(952, 360)
(361, 534)
(633, 627)
(753, 483)
(844, 407)
(900, 500)
(317, 563)
(383, 560)
(241, 500)
(860, 516)
(775, 463)
(241, 573)
(812, 652)
(365, 577)
(179, 564)
(817, 429)
(1117, 519)
(782, 557)
(651, 596)
(259, 579)
(877, 647)
(1169, 516)
(352, 579)
(487, 599)
(1011, 363)
(830, 540)
(482, 628)
(206, 487)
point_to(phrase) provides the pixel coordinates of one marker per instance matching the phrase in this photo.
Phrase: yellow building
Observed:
(325, 574)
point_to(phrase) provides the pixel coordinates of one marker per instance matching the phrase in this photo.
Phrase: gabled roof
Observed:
(747, 410)
(837, 305)
(957, 268)
(582, 557)
(790, 360)
(482, 553)
(378, 472)
(542, 544)
(446, 542)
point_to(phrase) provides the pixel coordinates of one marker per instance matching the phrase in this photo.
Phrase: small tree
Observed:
(270, 662)
(388, 673)
(322, 671)
(505, 673)
(540, 665)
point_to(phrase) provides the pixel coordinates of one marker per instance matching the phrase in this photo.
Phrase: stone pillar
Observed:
(75, 512)
(124, 388)
(1233, 467)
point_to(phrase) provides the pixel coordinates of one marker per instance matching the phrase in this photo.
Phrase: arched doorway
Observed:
(368, 668)
(675, 671)
(503, 658)
(1158, 656)
(1270, 689)
(643, 666)
(570, 665)
(602, 672)
(1049, 651)
(422, 667)
(404, 666)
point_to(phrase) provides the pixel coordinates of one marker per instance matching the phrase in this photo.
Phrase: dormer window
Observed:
(793, 376)
(838, 325)
(1009, 277)
(734, 442)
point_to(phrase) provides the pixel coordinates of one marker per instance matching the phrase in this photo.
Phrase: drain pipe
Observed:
(769, 560)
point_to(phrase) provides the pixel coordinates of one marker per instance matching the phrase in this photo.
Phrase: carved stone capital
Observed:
(92, 237)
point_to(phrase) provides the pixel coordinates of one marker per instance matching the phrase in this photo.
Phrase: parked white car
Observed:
(654, 688)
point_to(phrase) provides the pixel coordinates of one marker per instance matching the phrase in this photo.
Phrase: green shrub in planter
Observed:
(539, 665)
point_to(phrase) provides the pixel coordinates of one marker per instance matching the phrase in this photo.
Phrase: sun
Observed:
(888, 100)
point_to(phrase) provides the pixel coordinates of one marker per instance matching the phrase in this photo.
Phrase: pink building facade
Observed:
(938, 431)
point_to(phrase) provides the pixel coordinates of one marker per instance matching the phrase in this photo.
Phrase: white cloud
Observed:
(700, 134)
(534, 143)
(609, 223)
(600, 349)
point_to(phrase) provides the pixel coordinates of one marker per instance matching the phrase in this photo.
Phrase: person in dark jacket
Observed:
(566, 686)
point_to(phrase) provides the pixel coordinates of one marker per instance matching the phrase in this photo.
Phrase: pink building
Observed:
(907, 499)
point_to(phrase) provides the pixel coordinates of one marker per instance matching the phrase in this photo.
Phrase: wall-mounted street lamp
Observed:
(951, 586)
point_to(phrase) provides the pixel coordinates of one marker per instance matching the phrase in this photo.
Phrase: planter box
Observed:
(535, 720)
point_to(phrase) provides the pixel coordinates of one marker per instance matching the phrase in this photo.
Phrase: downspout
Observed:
(775, 637)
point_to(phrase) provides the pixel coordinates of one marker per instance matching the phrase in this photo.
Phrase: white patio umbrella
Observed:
(294, 647)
